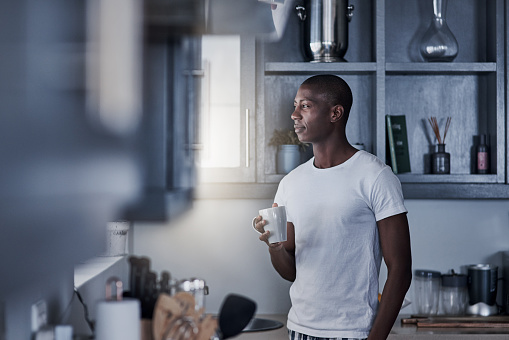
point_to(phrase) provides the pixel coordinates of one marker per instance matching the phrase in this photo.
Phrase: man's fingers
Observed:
(259, 226)
(265, 237)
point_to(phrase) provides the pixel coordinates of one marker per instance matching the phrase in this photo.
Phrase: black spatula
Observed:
(235, 313)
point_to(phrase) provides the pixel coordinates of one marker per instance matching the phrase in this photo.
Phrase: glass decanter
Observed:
(438, 43)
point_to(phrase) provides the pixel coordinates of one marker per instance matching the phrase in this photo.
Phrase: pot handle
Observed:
(301, 12)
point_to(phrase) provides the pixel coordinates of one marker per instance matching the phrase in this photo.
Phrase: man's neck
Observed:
(328, 156)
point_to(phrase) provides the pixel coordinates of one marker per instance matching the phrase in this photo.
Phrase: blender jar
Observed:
(454, 294)
(427, 291)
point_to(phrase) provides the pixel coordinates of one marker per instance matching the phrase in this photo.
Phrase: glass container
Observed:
(438, 43)
(441, 161)
(454, 294)
(427, 291)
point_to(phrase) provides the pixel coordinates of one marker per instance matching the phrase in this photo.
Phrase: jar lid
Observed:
(428, 274)
(454, 280)
(482, 267)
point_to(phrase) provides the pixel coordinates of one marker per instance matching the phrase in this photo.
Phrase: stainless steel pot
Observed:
(325, 34)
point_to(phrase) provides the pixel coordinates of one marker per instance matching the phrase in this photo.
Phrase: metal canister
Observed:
(482, 289)
(325, 34)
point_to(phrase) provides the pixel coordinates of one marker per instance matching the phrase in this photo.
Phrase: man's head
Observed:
(335, 90)
(322, 104)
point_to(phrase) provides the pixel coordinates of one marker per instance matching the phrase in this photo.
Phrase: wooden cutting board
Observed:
(494, 321)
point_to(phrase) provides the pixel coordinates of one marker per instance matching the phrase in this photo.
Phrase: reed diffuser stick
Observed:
(436, 130)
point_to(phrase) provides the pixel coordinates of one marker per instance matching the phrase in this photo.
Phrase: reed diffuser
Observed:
(441, 160)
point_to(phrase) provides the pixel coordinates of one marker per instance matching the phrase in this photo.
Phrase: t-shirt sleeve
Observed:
(387, 195)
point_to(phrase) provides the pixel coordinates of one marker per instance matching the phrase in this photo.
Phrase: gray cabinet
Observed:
(168, 137)
(388, 76)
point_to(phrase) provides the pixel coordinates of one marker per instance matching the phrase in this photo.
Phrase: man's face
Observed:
(311, 115)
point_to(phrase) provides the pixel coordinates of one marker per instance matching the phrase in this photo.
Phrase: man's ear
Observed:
(337, 113)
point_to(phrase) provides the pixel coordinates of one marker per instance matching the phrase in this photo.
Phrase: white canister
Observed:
(117, 234)
(117, 318)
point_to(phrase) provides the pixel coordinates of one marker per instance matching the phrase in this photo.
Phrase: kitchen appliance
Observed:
(325, 34)
(427, 291)
(454, 294)
(482, 289)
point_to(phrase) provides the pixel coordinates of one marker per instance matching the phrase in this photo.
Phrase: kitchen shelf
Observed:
(426, 178)
(388, 76)
(449, 178)
(298, 68)
(440, 68)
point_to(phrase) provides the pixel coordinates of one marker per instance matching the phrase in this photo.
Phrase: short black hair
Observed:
(334, 88)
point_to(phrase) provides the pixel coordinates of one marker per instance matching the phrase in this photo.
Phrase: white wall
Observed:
(214, 241)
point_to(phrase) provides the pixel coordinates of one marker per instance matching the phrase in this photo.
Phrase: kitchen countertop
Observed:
(399, 332)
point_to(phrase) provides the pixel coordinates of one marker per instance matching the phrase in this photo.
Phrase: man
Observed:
(345, 209)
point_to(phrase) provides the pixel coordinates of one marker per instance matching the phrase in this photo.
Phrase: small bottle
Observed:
(482, 156)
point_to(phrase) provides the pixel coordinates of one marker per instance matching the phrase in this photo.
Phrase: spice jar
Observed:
(454, 294)
(427, 291)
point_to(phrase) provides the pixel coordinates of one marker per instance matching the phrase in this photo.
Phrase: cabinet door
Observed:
(167, 139)
(227, 152)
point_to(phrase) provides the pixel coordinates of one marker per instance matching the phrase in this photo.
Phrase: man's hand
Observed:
(259, 225)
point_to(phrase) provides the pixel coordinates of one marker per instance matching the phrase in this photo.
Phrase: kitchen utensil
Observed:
(427, 291)
(164, 283)
(325, 32)
(117, 318)
(482, 289)
(234, 315)
(175, 318)
(197, 288)
(259, 324)
(149, 297)
(454, 294)
(139, 267)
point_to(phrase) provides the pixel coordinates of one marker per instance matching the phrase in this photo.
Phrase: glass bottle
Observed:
(438, 43)
(441, 161)
(482, 156)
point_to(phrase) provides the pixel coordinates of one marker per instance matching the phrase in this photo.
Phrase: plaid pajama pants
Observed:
(293, 335)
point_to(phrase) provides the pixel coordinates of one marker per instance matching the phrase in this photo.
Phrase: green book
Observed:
(397, 144)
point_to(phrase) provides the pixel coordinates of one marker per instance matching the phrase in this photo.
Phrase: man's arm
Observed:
(282, 255)
(395, 243)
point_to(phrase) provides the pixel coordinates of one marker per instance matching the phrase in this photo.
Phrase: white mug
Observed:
(276, 223)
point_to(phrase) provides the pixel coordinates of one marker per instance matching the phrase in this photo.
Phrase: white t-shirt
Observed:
(337, 249)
